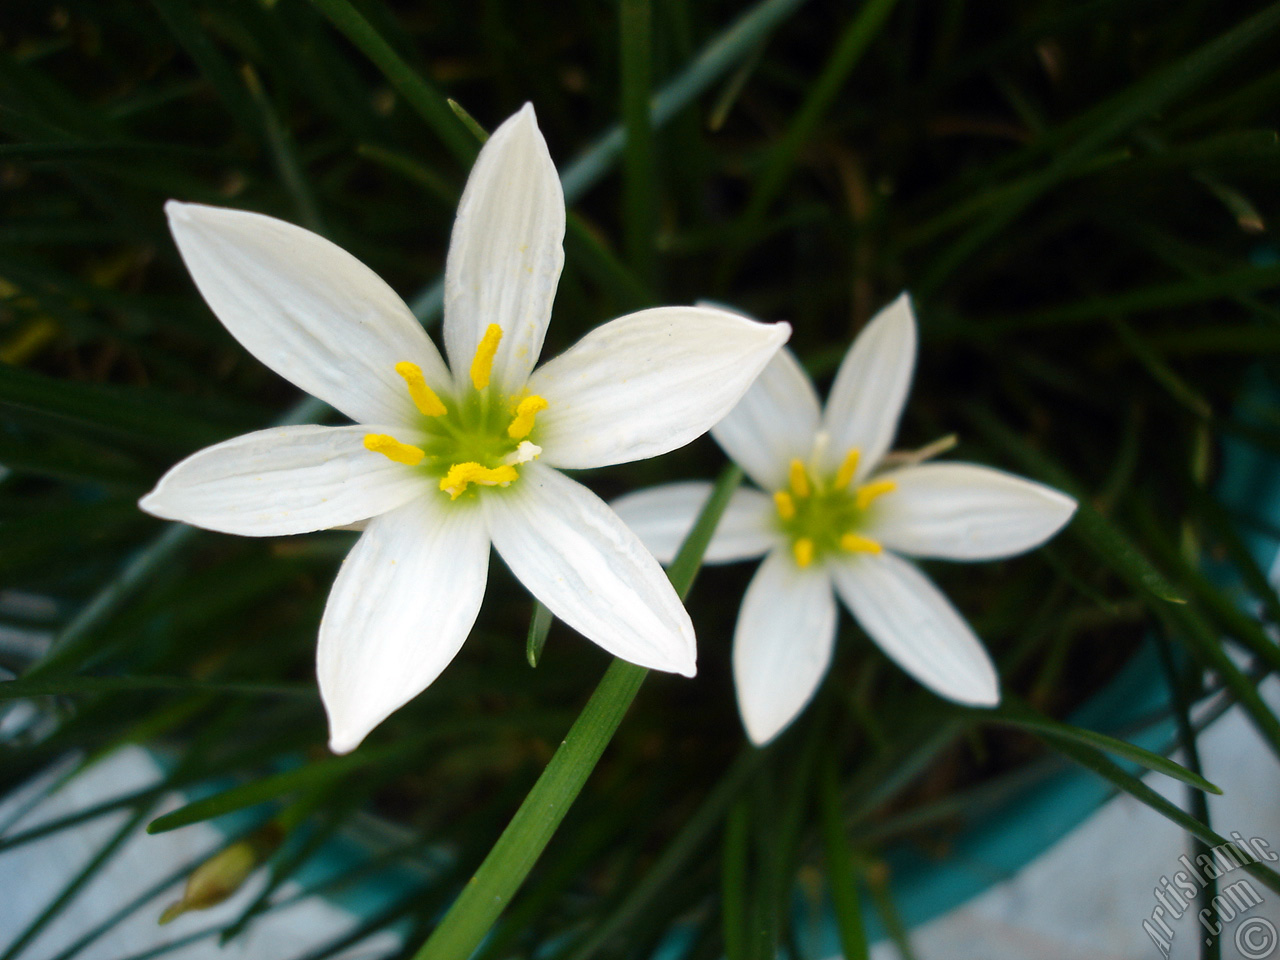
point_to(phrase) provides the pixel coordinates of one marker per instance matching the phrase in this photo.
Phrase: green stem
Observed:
(522, 842)
(513, 856)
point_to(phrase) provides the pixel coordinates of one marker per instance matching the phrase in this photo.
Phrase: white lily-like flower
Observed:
(443, 461)
(834, 521)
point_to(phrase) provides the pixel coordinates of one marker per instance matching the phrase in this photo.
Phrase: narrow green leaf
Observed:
(1110, 120)
(76, 884)
(477, 131)
(539, 627)
(1150, 298)
(409, 83)
(1098, 763)
(859, 32)
(734, 885)
(198, 43)
(66, 686)
(318, 773)
(838, 856)
(151, 420)
(283, 155)
(1096, 530)
(639, 187)
(676, 858)
(730, 46)
(1012, 713)
(877, 875)
(436, 186)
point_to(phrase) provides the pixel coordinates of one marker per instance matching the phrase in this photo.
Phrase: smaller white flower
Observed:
(834, 522)
(446, 460)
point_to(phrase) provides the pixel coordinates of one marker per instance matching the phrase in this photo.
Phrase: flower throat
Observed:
(479, 439)
(822, 518)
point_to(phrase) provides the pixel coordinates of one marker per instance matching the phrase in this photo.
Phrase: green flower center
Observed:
(477, 439)
(821, 518)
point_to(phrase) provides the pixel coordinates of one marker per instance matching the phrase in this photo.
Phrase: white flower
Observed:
(834, 521)
(446, 463)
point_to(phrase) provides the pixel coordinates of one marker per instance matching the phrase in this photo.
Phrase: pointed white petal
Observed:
(773, 424)
(283, 481)
(403, 603)
(574, 554)
(505, 254)
(307, 309)
(870, 389)
(912, 622)
(961, 511)
(663, 516)
(782, 644)
(647, 383)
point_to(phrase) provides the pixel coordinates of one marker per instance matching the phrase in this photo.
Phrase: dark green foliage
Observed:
(1079, 195)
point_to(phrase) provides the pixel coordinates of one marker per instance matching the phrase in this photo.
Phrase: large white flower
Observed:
(446, 460)
(834, 521)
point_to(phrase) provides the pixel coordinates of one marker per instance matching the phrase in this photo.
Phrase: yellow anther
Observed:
(799, 480)
(482, 364)
(844, 476)
(785, 504)
(869, 491)
(462, 474)
(856, 543)
(522, 425)
(424, 398)
(803, 550)
(393, 449)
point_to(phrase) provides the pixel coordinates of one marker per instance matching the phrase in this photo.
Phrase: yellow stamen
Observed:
(522, 425)
(424, 398)
(482, 365)
(785, 504)
(462, 474)
(393, 449)
(799, 480)
(869, 491)
(844, 476)
(856, 543)
(803, 549)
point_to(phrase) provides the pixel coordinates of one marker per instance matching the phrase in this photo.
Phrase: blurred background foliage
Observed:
(1078, 194)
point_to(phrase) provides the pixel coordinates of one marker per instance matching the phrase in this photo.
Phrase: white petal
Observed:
(403, 603)
(870, 389)
(961, 511)
(773, 424)
(307, 309)
(647, 383)
(283, 481)
(663, 516)
(782, 644)
(505, 254)
(912, 622)
(575, 555)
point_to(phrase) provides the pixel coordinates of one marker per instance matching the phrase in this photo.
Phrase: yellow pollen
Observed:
(786, 506)
(522, 425)
(462, 474)
(856, 543)
(799, 480)
(803, 549)
(482, 365)
(424, 398)
(870, 491)
(393, 449)
(844, 476)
